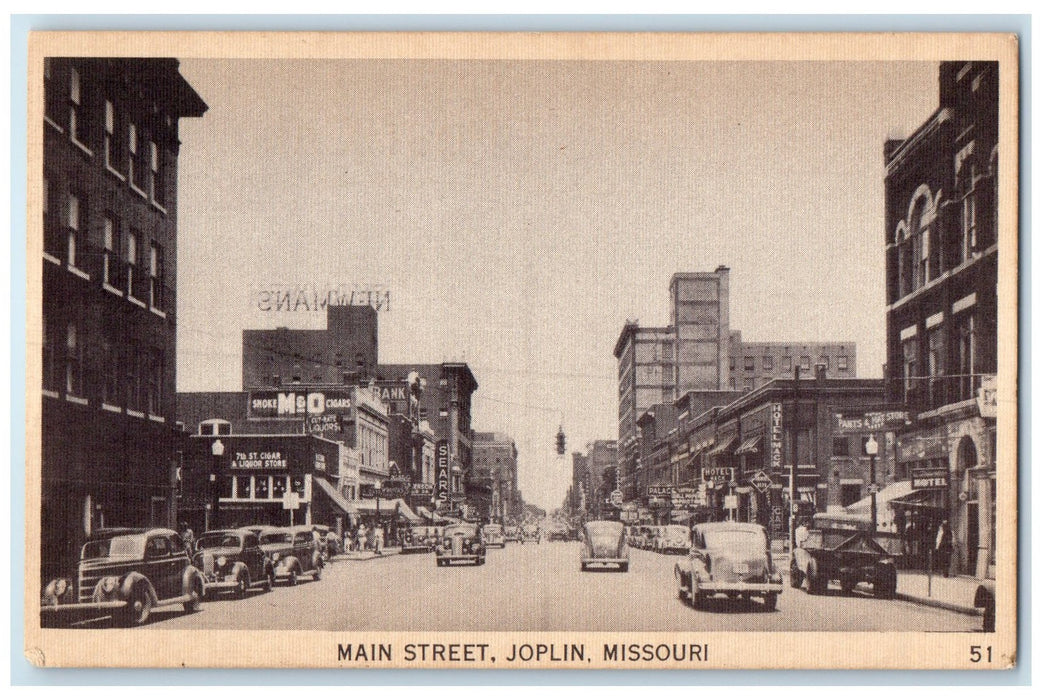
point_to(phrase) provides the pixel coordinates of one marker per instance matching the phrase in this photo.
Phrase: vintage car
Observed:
(330, 542)
(512, 533)
(531, 533)
(232, 560)
(461, 543)
(844, 548)
(729, 558)
(125, 573)
(294, 552)
(559, 534)
(604, 545)
(673, 539)
(419, 539)
(492, 535)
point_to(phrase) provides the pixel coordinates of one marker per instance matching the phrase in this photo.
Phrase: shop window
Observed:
(243, 487)
(297, 484)
(278, 486)
(261, 487)
(225, 486)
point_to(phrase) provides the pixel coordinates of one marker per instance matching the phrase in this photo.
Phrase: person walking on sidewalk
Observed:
(942, 555)
(360, 538)
(378, 537)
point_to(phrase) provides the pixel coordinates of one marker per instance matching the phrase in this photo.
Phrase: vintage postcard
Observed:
(503, 351)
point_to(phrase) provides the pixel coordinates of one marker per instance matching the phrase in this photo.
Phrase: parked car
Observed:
(461, 543)
(125, 573)
(729, 558)
(673, 539)
(419, 539)
(294, 552)
(531, 533)
(329, 542)
(841, 547)
(512, 533)
(232, 560)
(492, 535)
(604, 544)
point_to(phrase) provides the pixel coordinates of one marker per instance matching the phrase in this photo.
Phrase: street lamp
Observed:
(872, 449)
(217, 449)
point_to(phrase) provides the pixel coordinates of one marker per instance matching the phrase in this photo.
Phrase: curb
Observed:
(935, 603)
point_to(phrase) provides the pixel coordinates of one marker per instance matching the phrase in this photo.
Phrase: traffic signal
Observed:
(560, 440)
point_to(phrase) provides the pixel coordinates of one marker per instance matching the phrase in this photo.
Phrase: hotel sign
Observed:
(289, 405)
(777, 437)
(929, 478)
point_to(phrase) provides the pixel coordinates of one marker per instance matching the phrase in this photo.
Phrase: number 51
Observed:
(976, 656)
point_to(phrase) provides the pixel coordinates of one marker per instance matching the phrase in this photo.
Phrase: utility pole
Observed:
(794, 423)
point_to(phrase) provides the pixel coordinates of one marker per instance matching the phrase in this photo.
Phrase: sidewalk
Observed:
(367, 554)
(954, 593)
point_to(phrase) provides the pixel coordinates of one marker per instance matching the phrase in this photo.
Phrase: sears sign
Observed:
(298, 404)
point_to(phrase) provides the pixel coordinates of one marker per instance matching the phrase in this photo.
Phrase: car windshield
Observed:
(276, 538)
(676, 532)
(734, 539)
(602, 530)
(217, 540)
(465, 530)
(121, 547)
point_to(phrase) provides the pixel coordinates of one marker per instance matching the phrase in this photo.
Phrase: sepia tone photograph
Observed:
(508, 351)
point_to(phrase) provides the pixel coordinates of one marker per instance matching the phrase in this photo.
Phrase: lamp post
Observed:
(217, 450)
(872, 449)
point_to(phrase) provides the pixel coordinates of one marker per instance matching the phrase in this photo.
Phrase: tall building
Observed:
(109, 442)
(345, 352)
(495, 470)
(753, 364)
(700, 316)
(941, 242)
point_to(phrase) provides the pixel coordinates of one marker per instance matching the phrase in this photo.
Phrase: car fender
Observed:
(189, 577)
(290, 563)
(238, 568)
(136, 580)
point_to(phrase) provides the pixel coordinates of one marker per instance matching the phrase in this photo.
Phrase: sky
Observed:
(519, 212)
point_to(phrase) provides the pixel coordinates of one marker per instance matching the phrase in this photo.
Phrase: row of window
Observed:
(259, 487)
(128, 152)
(127, 376)
(941, 367)
(125, 262)
(767, 363)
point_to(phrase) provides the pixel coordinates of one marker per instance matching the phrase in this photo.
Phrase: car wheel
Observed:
(139, 607)
(770, 601)
(196, 597)
(698, 598)
(269, 580)
(242, 585)
(317, 575)
(848, 583)
(988, 617)
(815, 584)
(887, 587)
(623, 568)
(795, 576)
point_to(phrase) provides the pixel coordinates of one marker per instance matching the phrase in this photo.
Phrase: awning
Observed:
(436, 518)
(752, 445)
(896, 490)
(367, 506)
(338, 500)
(725, 446)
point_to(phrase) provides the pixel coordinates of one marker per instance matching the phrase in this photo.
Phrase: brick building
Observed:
(109, 441)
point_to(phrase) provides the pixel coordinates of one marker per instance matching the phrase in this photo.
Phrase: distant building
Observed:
(699, 305)
(753, 364)
(110, 446)
(495, 472)
(941, 241)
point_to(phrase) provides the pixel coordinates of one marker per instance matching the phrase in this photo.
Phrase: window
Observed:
(79, 126)
(113, 155)
(243, 487)
(73, 360)
(108, 252)
(75, 225)
(731, 363)
(156, 175)
(824, 360)
(51, 380)
(849, 493)
(133, 370)
(969, 224)
(965, 349)
(841, 363)
(260, 486)
(786, 363)
(749, 364)
(52, 94)
(910, 355)
(278, 486)
(443, 411)
(133, 243)
(840, 447)
(805, 363)
(155, 276)
(154, 367)
(768, 363)
(110, 369)
(138, 168)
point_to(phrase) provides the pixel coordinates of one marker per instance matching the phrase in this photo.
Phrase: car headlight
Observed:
(221, 561)
(60, 587)
(275, 556)
(108, 584)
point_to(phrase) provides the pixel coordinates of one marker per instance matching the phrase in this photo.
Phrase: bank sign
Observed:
(289, 405)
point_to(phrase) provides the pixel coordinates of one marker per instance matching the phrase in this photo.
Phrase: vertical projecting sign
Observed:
(441, 472)
(777, 433)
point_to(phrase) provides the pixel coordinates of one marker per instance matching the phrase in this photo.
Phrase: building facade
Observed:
(700, 318)
(753, 364)
(495, 470)
(110, 447)
(941, 242)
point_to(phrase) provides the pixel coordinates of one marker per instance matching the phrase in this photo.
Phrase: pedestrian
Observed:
(943, 548)
(360, 537)
(801, 533)
(188, 537)
(378, 538)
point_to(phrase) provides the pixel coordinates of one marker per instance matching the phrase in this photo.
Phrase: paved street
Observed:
(538, 587)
